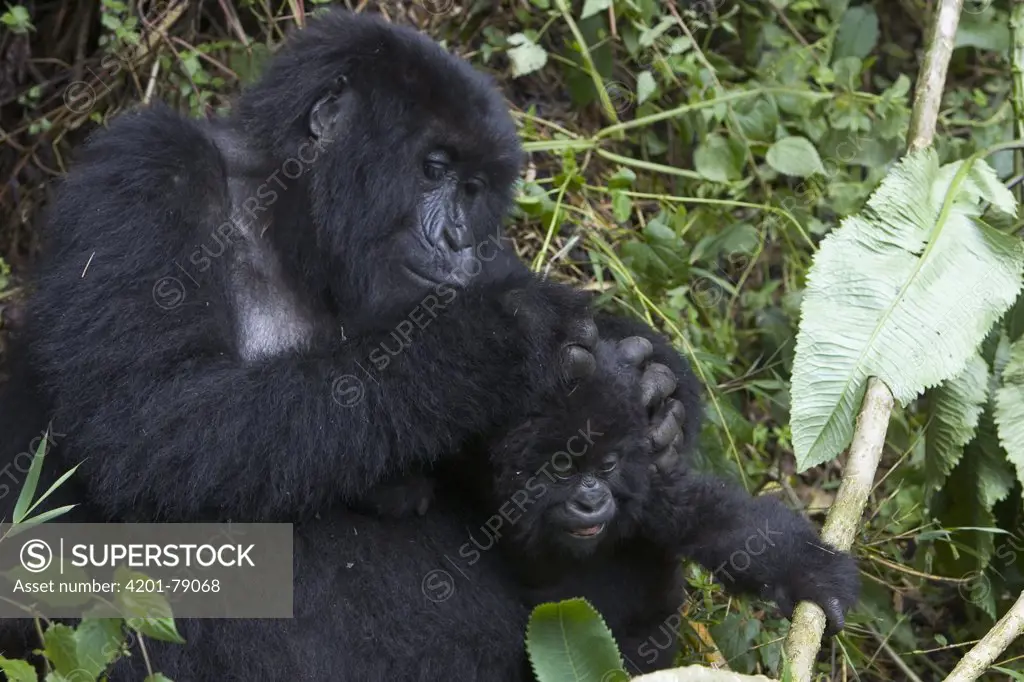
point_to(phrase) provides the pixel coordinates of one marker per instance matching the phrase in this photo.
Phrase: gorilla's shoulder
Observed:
(149, 166)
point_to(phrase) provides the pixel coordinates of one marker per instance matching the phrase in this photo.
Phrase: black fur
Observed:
(177, 413)
(666, 512)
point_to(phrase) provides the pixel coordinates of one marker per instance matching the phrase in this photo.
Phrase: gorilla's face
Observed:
(450, 232)
(418, 159)
(420, 208)
(578, 479)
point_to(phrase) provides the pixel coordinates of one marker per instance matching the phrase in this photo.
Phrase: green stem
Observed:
(602, 92)
(1017, 75)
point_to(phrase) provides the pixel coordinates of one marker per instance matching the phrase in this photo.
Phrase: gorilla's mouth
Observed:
(588, 532)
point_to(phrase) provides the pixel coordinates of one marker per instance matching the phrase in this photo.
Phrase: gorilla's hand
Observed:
(560, 323)
(657, 384)
(826, 576)
(398, 498)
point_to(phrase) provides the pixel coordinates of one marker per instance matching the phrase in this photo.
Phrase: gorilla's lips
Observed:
(587, 532)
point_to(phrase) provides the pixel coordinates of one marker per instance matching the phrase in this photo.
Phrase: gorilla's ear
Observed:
(324, 117)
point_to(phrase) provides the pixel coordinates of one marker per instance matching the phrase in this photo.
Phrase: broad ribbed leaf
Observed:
(953, 412)
(905, 291)
(568, 641)
(1010, 408)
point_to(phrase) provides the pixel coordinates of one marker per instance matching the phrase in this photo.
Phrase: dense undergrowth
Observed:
(685, 166)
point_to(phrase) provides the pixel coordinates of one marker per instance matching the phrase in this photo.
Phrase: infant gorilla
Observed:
(594, 499)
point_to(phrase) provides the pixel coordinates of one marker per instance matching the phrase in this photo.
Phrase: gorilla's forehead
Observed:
(410, 72)
(589, 444)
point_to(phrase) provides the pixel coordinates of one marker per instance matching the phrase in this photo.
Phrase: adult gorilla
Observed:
(262, 318)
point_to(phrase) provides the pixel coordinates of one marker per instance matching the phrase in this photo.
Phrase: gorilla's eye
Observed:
(564, 474)
(436, 165)
(474, 186)
(609, 464)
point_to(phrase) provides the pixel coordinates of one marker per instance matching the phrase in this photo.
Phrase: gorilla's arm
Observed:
(173, 425)
(752, 544)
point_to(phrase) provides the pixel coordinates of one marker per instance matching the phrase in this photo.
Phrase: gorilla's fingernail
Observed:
(579, 363)
(657, 383)
(677, 410)
(635, 349)
(665, 432)
(585, 333)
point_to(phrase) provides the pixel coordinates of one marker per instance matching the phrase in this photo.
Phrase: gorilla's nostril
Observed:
(591, 501)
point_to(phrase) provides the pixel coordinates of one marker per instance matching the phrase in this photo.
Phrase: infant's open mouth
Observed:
(590, 531)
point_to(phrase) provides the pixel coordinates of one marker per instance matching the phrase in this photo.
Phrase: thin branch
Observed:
(984, 653)
(804, 639)
(1017, 71)
(808, 626)
(928, 96)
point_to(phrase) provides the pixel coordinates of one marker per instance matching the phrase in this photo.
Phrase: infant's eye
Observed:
(609, 464)
(565, 474)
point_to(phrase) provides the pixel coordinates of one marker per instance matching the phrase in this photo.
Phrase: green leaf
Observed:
(981, 479)
(527, 56)
(984, 32)
(1015, 675)
(98, 642)
(1009, 408)
(569, 642)
(147, 612)
(60, 648)
(157, 677)
(716, 160)
(758, 118)
(162, 629)
(622, 206)
(83, 652)
(18, 19)
(57, 484)
(623, 178)
(735, 637)
(905, 291)
(835, 8)
(28, 490)
(953, 412)
(645, 87)
(40, 518)
(858, 33)
(592, 7)
(18, 671)
(795, 155)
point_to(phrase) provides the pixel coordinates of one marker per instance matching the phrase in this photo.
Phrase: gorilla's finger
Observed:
(665, 432)
(577, 363)
(785, 604)
(656, 384)
(676, 409)
(835, 620)
(668, 460)
(635, 350)
(583, 333)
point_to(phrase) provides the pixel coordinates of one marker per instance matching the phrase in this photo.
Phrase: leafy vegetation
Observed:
(688, 165)
(85, 651)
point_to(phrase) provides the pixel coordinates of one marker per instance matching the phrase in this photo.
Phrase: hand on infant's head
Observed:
(657, 384)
